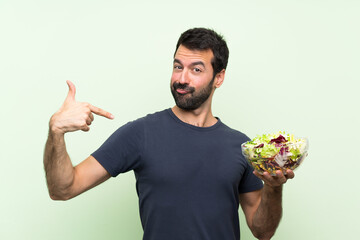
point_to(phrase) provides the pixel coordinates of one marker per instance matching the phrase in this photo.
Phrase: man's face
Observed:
(192, 78)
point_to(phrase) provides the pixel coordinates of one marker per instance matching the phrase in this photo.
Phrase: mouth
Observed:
(182, 91)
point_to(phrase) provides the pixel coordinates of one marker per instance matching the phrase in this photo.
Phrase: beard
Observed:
(193, 99)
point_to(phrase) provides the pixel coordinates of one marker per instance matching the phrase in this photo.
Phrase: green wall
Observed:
(294, 66)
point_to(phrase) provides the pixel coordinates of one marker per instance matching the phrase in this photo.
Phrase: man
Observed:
(190, 173)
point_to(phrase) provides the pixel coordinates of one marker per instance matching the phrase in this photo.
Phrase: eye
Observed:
(177, 67)
(197, 70)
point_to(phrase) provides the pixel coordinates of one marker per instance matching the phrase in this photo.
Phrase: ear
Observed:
(219, 78)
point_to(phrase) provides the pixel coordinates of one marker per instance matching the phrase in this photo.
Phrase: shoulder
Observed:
(156, 116)
(149, 118)
(138, 125)
(233, 133)
(156, 119)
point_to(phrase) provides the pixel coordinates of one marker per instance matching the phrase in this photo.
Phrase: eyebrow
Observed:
(192, 64)
(177, 61)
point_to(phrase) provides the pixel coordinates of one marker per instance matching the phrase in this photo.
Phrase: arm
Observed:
(263, 208)
(65, 181)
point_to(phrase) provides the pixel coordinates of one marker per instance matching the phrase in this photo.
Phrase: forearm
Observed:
(63, 180)
(58, 167)
(267, 217)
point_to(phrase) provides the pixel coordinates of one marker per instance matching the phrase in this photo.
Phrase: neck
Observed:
(201, 117)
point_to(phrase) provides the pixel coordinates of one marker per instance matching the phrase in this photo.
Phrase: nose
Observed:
(184, 78)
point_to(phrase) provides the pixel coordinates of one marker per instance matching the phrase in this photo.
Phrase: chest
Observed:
(197, 163)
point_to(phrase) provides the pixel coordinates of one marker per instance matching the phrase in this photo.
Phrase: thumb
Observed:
(72, 91)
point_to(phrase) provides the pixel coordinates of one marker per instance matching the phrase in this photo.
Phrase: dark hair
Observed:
(203, 39)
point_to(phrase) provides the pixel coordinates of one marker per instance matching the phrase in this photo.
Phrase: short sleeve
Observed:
(121, 152)
(249, 182)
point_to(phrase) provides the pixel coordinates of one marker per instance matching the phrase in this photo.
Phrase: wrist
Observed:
(275, 189)
(54, 128)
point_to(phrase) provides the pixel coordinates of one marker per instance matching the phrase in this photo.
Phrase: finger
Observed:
(85, 128)
(280, 178)
(101, 112)
(72, 91)
(259, 175)
(88, 121)
(268, 178)
(290, 174)
(256, 173)
(91, 116)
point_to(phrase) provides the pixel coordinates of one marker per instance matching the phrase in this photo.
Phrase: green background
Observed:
(294, 66)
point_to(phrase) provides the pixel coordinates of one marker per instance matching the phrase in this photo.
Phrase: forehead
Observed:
(186, 55)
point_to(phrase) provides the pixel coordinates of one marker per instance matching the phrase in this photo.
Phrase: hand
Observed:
(73, 115)
(275, 181)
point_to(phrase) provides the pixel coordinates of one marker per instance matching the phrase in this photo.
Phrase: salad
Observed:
(275, 151)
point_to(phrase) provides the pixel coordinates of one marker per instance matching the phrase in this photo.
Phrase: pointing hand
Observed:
(73, 115)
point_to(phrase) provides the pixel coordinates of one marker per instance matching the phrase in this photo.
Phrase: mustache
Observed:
(185, 87)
